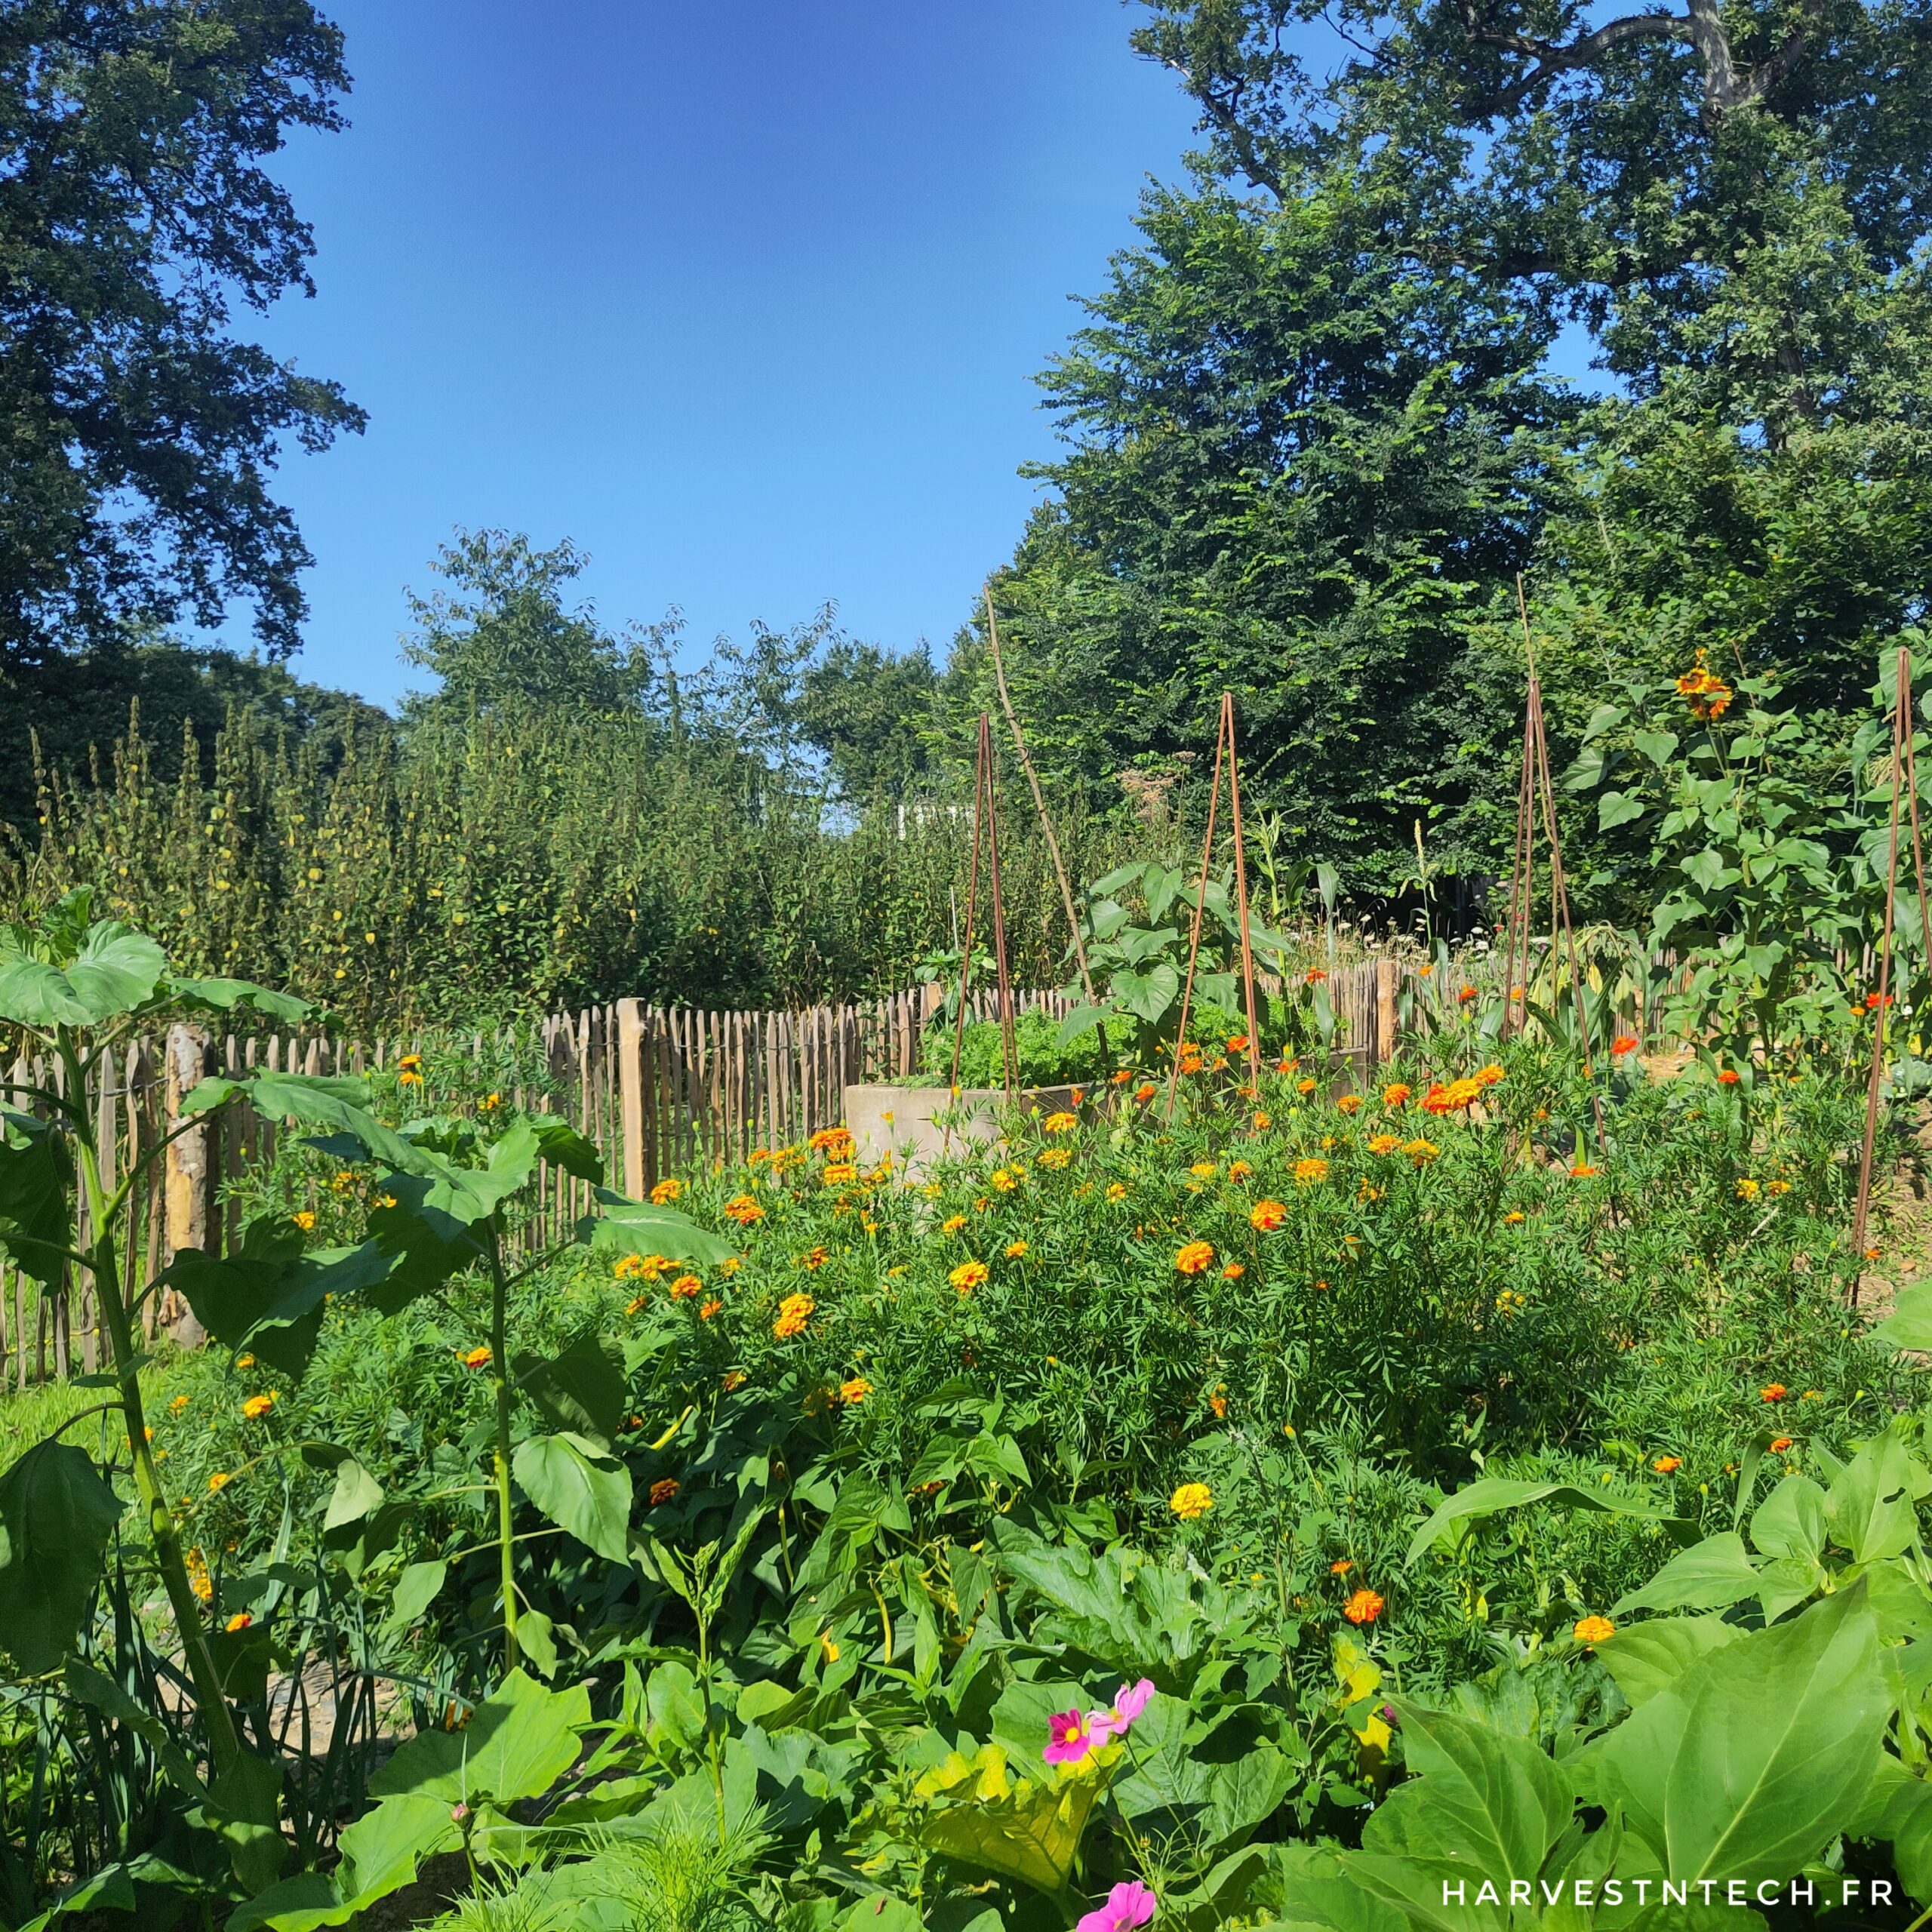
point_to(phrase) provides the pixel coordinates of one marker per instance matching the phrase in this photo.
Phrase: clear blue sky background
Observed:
(744, 298)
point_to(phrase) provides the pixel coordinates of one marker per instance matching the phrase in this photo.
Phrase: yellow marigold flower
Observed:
(1116, 1190)
(239, 1621)
(1014, 1250)
(663, 1491)
(1487, 1076)
(304, 1218)
(953, 1224)
(256, 1407)
(1196, 1258)
(968, 1275)
(637, 1302)
(667, 1191)
(1205, 1169)
(489, 1103)
(732, 1379)
(1190, 1501)
(1239, 1170)
(1060, 1123)
(1003, 1179)
(180, 1403)
(1218, 1402)
(1309, 1172)
(1747, 1190)
(854, 1391)
(1262, 1123)
(730, 1264)
(1777, 1187)
(1384, 1143)
(477, 1359)
(840, 1173)
(814, 1258)
(1514, 1217)
(1593, 1630)
(1394, 1095)
(1421, 1152)
(219, 1480)
(1349, 1102)
(833, 1142)
(742, 1209)
(1304, 1086)
(629, 1267)
(409, 1070)
(1055, 1157)
(1341, 1566)
(245, 1361)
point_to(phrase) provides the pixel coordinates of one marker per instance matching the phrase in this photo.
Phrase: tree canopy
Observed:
(137, 430)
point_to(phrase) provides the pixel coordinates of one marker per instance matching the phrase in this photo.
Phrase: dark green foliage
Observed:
(527, 861)
(133, 207)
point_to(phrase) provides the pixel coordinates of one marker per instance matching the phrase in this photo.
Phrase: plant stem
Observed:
(499, 1373)
(218, 1721)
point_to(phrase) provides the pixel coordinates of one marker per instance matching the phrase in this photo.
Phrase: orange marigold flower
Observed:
(839, 1173)
(667, 1191)
(1728, 1077)
(1341, 1566)
(1267, 1217)
(967, 1276)
(855, 1391)
(1467, 994)
(1196, 1258)
(1583, 1171)
(707, 1309)
(1624, 1043)
(663, 1491)
(685, 1287)
(409, 1070)
(1668, 1466)
(1304, 1086)
(742, 1209)
(1316, 975)
(1514, 1217)
(732, 1379)
(477, 1357)
(239, 1621)
(1146, 1090)
(1593, 1630)
(219, 1481)
(1309, 1172)
(1773, 1391)
(1394, 1095)
(1262, 1123)
(305, 1219)
(814, 1258)
(1384, 1143)
(1349, 1102)
(1122, 1075)
(256, 1407)
(1239, 1170)
(834, 1141)
(1421, 1152)
(638, 1302)
(1015, 1250)
(1233, 1271)
(1780, 1444)
(1061, 1123)
(1116, 1190)
(1365, 1607)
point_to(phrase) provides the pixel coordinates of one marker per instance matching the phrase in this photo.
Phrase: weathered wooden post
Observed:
(630, 1087)
(189, 1186)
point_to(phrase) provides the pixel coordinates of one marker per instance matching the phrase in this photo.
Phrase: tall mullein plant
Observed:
(73, 989)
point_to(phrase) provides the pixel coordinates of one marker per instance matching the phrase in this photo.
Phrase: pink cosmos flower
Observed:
(1129, 1700)
(1129, 1904)
(1070, 1737)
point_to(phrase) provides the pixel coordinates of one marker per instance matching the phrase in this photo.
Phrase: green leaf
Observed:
(518, 1742)
(1082, 1019)
(578, 1488)
(636, 1227)
(1616, 808)
(1030, 1831)
(1909, 1324)
(1499, 1801)
(1711, 1575)
(581, 1389)
(218, 996)
(1760, 1755)
(417, 1588)
(56, 1515)
(563, 1147)
(1604, 717)
(1791, 1520)
(1871, 1506)
(115, 970)
(36, 1176)
(1493, 1494)
(356, 1494)
(1147, 996)
(1657, 746)
(1649, 1657)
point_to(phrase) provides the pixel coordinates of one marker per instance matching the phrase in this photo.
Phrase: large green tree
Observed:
(1297, 465)
(137, 431)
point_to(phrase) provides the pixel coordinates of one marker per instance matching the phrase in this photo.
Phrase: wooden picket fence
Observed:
(658, 1089)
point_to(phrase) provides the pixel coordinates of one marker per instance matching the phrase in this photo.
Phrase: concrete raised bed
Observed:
(906, 1122)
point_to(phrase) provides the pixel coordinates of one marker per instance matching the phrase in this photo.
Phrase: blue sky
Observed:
(745, 298)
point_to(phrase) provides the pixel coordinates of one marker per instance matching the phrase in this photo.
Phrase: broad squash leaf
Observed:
(1493, 1494)
(36, 1179)
(1711, 1575)
(1028, 1830)
(115, 970)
